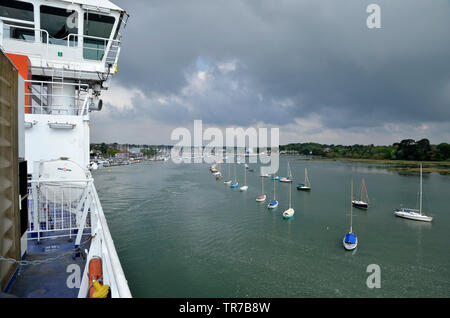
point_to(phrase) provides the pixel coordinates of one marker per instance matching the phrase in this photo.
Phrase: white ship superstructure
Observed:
(67, 53)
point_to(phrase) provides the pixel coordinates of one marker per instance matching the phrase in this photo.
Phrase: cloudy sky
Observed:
(311, 68)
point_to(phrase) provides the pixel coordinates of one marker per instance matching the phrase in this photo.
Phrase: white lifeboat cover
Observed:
(55, 178)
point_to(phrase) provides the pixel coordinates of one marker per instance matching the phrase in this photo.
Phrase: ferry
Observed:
(65, 53)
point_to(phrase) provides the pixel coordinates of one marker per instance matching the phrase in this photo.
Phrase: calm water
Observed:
(181, 233)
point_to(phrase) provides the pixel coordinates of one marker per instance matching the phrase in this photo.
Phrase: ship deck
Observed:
(48, 280)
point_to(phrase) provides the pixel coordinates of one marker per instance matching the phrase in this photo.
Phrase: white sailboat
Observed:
(235, 184)
(245, 186)
(262, 197)
(274, 203)
(229, 181)
(305, 186)
(218, 174)
(363, 202)
(414, 214)
(350, 240)
(289, 213)
(287, 179)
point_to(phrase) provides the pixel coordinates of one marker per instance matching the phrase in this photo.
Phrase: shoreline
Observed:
(401, 166)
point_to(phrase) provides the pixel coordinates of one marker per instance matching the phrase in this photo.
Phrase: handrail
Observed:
(119, 276)
(45, 103)
(17, 20)
(108, 42)
(23, 27)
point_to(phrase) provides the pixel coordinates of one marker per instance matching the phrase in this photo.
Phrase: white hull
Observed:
(288, 213)
(227, 182)
(244, 188)
(272, 206)
(412, 215)
(261, 198)
(286, 180)
(349, 246)
(360, 204)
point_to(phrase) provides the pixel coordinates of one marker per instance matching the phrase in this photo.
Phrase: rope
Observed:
(43, 261)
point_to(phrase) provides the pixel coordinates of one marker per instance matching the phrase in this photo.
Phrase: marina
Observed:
(233, 246)
(235, 155)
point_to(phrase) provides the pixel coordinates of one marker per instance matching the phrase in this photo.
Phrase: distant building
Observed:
(123, 154)
(135, 150)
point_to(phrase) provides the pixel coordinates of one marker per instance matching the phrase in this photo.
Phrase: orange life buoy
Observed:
(95, 272)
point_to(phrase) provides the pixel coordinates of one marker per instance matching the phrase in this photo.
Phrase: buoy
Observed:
(97, 290)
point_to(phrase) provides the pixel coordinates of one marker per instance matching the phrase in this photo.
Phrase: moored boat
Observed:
(305, 186)
(350, 240)
(414, 214)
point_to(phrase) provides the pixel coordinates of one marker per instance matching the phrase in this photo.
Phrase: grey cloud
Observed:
(318, 54)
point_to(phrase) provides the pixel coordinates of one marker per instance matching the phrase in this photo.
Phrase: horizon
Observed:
(281, 145)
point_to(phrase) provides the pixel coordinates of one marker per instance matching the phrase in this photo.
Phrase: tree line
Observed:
(407, 149)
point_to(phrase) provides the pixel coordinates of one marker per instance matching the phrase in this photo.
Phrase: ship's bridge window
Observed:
(16, 10)
(97, 31)
(60, 24)
(21, 11)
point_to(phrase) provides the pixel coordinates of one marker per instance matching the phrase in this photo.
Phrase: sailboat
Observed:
(362, 204)
(216, 171)
(262, 197)
(305, 186)
(289, 213)
(229, 181)
(350, 240)
(289, 177)
(213, 168)
(218, 174)
(274, 203)
(414, 214)
(245, 186)
(235, 184)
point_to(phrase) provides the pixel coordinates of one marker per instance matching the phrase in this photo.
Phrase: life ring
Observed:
(96, 289)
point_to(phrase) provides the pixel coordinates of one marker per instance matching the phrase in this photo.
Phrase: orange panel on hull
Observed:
(23, 64)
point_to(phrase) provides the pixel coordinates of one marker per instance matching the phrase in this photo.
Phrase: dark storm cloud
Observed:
(293, 59)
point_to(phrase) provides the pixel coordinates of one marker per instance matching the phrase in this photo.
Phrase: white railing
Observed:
(46, 98)
(7, 32)
(54, 208)
(88, 48)
(99, 49)
(58, 208)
